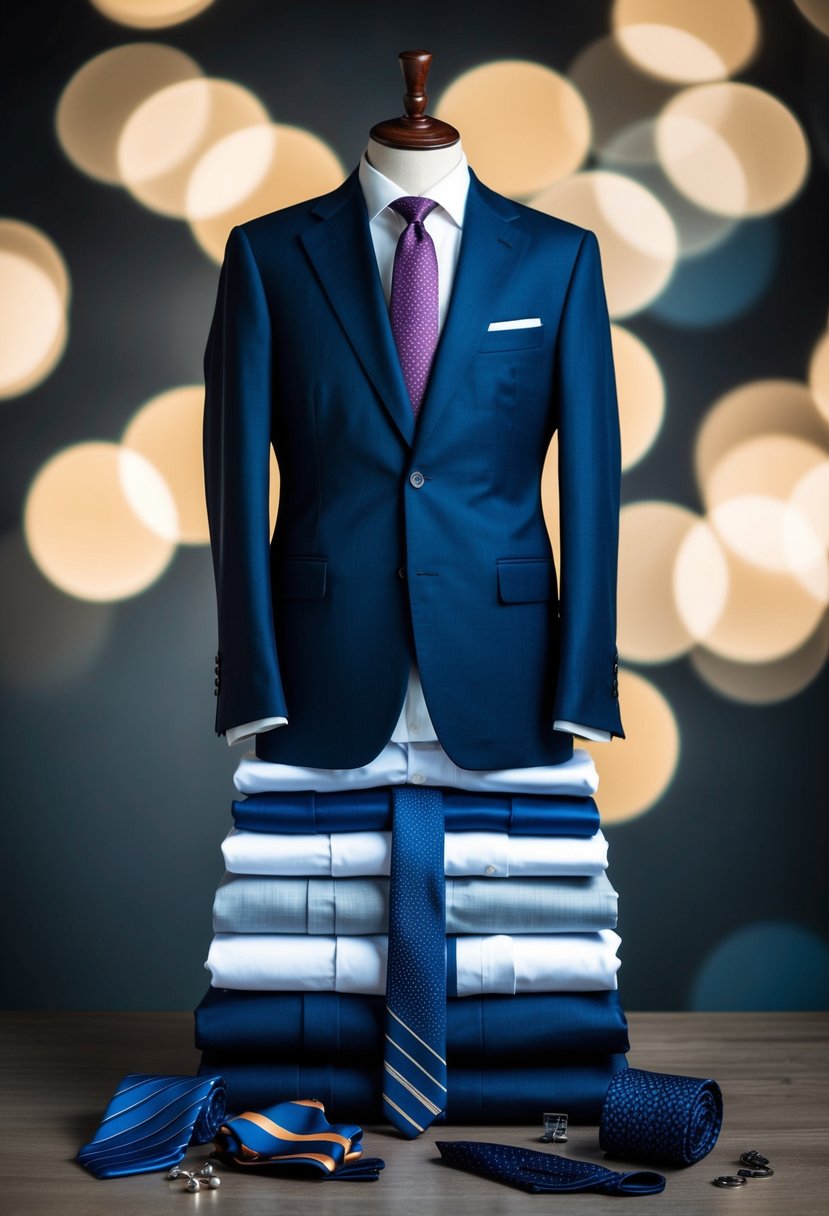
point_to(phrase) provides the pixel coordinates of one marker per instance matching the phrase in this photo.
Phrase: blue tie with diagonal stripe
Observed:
(151, 1120)
(414, 1077)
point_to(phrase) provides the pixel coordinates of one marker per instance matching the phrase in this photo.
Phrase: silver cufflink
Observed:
(206, 1177)
(555, 1128)
(755, 1166)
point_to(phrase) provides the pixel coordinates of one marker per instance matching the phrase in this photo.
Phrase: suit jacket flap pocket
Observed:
(526, 580)
(301, 578)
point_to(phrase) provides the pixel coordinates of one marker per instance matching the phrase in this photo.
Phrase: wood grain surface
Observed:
(59, 1070)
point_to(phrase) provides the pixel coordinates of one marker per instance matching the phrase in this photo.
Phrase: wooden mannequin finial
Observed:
(415, 130)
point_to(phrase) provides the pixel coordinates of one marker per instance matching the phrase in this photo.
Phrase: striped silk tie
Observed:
(151, 1120)
(298, 1134)
(414, 1077)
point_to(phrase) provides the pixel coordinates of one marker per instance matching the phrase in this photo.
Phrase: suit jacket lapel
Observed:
(491, 248)
(342, 253)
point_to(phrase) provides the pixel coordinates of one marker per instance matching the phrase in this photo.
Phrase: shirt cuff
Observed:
(585, 732)
(237, 734)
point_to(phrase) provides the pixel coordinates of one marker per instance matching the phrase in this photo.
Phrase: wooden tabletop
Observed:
(59, 1070)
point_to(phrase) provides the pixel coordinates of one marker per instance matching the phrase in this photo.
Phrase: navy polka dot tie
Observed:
(414, 1075)
(413, 305)
(544, 1173)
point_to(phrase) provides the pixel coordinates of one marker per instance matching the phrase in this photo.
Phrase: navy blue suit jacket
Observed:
(398, 540)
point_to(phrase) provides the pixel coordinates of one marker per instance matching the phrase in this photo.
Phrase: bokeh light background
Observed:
(693, 137)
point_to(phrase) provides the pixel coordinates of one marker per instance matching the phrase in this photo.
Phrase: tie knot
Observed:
(413, 208)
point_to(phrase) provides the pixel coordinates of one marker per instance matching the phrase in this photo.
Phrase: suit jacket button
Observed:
(416, 479)
(401, 573)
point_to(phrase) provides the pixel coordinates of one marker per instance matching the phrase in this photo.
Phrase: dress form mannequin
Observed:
(415, 151)
(415, 172)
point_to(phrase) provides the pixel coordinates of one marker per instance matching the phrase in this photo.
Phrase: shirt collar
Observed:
(450, 192)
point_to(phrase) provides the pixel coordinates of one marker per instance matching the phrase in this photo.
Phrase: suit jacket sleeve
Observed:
(589, 486)
(237, 372)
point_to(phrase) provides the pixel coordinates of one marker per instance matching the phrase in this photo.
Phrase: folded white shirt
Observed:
(466, 854)
(557, 962)
(421, 764)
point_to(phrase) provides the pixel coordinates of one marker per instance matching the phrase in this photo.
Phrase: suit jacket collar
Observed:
(491, 248)
(342, 253)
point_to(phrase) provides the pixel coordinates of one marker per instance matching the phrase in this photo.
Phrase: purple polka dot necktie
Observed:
(414, 1056)
(413, 305)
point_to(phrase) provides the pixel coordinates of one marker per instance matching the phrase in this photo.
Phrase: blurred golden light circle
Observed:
(523, 125)
(810, 498)
(277, 165)
(767, 614)
(33, 324)
(231, 171)
(549, 498)
(816, 12)
(732, 148)
(46, 638)
(273, 498)
(768, 464)
(700, 580)
(81, 529)
(650, 630)
(151, 14)
(166, 136)
(772, 535)
(622, 101)
(765, 683)
(687, 40)
(36, 247)
(99, 99)
(635, 772)
(167, 431)
(632, 151)
(760, 407)
(636, 234)
(819, 375)
(641, 392)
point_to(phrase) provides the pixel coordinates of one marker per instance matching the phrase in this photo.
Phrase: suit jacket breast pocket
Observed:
(300, 578)
(512, 339)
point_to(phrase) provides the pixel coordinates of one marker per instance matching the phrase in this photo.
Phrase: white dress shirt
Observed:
(556, 962)
(466, 854)
(445, 226)
(420, 764)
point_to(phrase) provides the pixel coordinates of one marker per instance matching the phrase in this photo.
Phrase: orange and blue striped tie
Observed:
(296, 1135)
(414, 1075)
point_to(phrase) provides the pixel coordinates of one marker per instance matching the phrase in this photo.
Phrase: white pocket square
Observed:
(523, 323)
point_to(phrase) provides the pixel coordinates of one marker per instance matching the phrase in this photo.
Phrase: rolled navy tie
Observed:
(660, 1117)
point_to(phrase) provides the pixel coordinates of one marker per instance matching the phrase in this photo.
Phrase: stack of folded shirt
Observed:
(298, 959)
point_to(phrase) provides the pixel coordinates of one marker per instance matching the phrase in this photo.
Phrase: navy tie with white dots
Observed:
(414, 1076)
